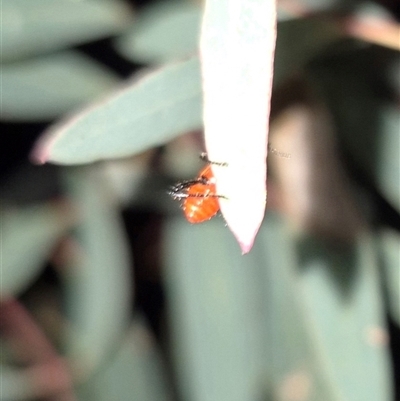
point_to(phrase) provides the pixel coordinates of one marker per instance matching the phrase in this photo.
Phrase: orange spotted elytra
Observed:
(200, 200)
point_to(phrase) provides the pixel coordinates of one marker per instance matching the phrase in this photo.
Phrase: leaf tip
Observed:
(38, 157)
(246, 240)
(246, 247)
(244, 206)
(40, 153)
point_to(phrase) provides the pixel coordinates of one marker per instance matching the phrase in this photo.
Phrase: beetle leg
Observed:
(204, 157)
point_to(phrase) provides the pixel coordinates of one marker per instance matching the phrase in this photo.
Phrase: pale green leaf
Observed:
(45, 88)
(171, 30)
(14, 385)
(28, 235)
(97, 281)
(389, 243)
(32, 27)
(163, 32)
(148, 112)
(292, 318)
(215, 316)
(388, 166)
(342, 301)
(135, 372)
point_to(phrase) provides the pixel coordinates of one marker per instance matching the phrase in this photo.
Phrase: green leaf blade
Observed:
(98, 281)
(33, 27)
(28, 236)
(47, 87)
(145, 114)
(163, 32)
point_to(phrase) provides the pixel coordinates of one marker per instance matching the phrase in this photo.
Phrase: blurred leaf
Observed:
(391, 74)
(163, 32)
(290, 9)
(215, 312)
(33, 357)
(171, 30)
(28, 237)
(312, 37)
(388, 166)
(373, 23)
(288, 320)
(14, 386)
(32, 27)
(325, 319)
(147, 113)
(389, 243)
(47, 87)
(367, 124)
(342, 301)
(98, 282)
(293, 365)
(134, 373)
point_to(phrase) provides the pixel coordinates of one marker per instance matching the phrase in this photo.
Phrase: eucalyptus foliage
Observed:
(302, 317)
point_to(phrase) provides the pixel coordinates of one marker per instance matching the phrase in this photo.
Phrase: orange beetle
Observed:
(200, 200)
